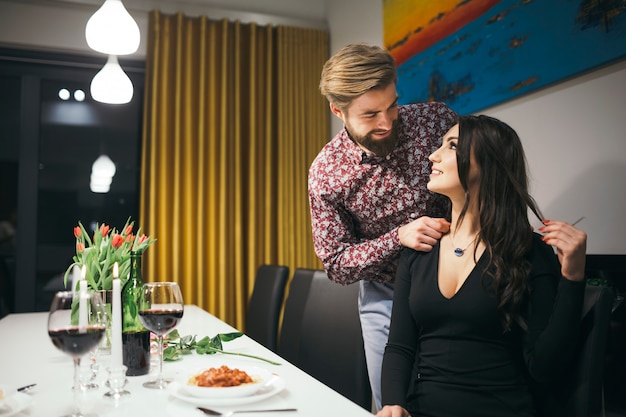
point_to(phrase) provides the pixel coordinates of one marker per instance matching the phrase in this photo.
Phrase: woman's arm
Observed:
(555, 300)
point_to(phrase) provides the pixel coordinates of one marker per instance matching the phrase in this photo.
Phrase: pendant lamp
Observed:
(103, 167)
(102, 172)
(112, 30)
(111, 84)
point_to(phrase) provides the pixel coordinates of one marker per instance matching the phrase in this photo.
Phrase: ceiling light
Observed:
(112, 30)
(95, 188)
(79, 95)
(103, 167)
(100, 180)
(102, 172)
(64, 94)
(111, 85)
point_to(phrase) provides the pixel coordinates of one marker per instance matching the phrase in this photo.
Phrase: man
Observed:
(367, 186)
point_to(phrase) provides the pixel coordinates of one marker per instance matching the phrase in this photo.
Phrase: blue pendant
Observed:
(458, 252)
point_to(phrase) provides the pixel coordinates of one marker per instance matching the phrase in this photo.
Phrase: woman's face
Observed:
(444, 177)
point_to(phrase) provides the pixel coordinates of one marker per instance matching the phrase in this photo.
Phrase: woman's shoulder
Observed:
(411, 255)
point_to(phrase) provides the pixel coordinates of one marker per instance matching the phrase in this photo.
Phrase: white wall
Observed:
(353, 21)
(573, 132)
(575, 143)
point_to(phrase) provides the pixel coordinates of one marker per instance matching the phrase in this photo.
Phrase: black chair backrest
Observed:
(291, 329)
(579, 392)
(321, 334)
(265, 304)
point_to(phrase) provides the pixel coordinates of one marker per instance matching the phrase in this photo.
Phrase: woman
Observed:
(489, 311)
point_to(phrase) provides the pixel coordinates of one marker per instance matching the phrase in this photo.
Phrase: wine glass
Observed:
(76, 324)
(160, 310)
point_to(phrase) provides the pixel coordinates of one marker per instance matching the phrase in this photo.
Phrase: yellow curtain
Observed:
(233, 118)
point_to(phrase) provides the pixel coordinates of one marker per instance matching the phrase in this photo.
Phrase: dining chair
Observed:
(7, 284)
(580, 391)
(321, 334)
(265, 304)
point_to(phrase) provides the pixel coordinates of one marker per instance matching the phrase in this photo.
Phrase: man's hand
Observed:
(422, 234)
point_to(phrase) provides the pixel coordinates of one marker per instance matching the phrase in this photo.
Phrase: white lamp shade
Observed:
(96, 188)
(111, 84)
(103, 167)
(112, 30)
(100, 180)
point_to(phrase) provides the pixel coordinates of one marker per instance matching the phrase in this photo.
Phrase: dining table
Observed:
(27, 356)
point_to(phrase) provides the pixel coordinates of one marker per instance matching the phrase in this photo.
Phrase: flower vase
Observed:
(105, 344)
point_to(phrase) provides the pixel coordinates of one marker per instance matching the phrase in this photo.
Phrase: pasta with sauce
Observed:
(221, 377)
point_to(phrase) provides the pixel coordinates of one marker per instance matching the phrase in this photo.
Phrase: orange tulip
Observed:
(142, 239)
(77, 232)
(80, 247)
(116, 241)
(128, 229)
(104, 230)
(130, 238)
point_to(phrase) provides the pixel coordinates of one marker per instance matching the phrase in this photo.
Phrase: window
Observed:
(50, 142)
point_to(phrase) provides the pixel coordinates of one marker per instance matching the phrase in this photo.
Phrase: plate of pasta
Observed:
(224, 381)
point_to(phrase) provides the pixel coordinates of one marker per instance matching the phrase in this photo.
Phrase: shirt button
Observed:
(388, 157)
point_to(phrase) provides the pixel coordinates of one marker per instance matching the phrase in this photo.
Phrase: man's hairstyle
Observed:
(354, 70)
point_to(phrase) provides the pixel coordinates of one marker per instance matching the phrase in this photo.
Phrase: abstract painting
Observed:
(473, 54)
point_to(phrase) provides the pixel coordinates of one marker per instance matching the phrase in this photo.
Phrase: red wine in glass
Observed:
(160, 310)
(76, 324)
(160, 321)
(75, 341)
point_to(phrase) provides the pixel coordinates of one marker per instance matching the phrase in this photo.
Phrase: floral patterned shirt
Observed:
(359, 200)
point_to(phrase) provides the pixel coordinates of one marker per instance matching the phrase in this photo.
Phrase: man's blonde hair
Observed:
(354, 70)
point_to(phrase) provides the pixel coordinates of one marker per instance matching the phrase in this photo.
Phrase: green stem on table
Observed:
(246, 355)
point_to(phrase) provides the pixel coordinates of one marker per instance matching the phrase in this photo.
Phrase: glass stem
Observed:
(77, 387)
(160, 377)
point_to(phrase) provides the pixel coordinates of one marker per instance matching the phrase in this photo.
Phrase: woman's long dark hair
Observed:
(503, 204)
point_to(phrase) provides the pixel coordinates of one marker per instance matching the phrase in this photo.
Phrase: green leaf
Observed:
(205, 341)
(227, 337)
(216, 342)
(173, 335)
(179, 346)
(67, 274)
(170, 354)
(85, 235)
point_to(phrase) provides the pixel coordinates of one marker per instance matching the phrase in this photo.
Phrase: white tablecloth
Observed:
(27, 356)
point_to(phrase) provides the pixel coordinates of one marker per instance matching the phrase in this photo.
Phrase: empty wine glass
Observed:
(160, 310)
(76, 324)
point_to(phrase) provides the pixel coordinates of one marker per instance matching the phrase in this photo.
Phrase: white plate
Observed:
(15, 403)
(259, 376)
(276, 385)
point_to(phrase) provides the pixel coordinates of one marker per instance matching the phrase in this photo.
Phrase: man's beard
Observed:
(380, 147)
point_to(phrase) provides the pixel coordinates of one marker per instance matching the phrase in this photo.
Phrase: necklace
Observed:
(458, 251)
